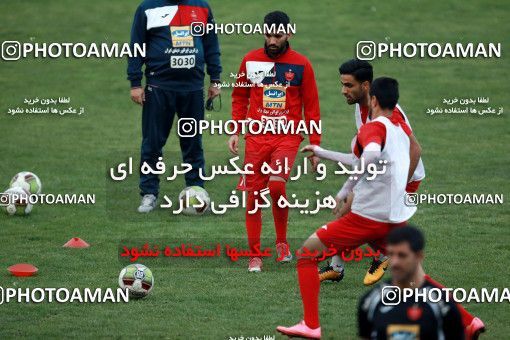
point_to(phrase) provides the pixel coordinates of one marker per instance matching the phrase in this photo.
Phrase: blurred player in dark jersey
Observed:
(383, 315)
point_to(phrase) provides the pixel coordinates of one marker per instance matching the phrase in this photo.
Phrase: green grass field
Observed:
(468, 246)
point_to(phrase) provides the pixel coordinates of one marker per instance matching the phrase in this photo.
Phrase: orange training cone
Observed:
(23, 269)
(76, 242)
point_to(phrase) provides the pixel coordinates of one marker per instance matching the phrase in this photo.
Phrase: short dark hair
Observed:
(385, 89)
(361, 70)
(409, 234)
(277, 18)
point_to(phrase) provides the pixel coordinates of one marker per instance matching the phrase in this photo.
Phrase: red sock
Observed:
(309, 285)
(253, 223)
(280, 215)
(465, 315)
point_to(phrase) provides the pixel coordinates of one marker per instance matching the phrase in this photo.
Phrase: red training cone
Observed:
(76, 242)
(23, 269)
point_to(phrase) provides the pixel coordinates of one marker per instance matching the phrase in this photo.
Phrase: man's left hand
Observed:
(214, 90)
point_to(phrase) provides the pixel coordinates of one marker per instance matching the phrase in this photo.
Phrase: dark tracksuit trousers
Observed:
(158, 114)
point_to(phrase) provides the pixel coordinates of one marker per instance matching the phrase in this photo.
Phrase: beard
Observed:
(273, 51)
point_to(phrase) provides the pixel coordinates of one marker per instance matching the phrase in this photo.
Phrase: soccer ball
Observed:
(137, 278)
(194, 196)
(28, 181)
(17, 202)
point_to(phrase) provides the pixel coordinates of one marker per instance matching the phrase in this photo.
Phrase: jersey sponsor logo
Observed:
(274, 94)
(181, 36)
(399, 332)
(160, 16)
(180, 33)
(275, 105)
(274, 97)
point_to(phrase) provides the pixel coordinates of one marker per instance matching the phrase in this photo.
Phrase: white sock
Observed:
(337, 263)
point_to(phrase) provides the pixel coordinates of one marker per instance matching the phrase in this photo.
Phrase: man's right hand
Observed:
(138, 95)
(314, 159)
(310, 148)
(233, 144)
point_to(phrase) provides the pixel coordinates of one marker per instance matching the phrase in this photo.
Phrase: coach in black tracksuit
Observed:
(174, 71)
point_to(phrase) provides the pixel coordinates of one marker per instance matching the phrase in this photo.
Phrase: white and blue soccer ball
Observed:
(138, 280)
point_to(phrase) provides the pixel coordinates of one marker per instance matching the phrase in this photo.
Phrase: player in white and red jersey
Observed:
(362, 117)
(356, 77)
(378, 205)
